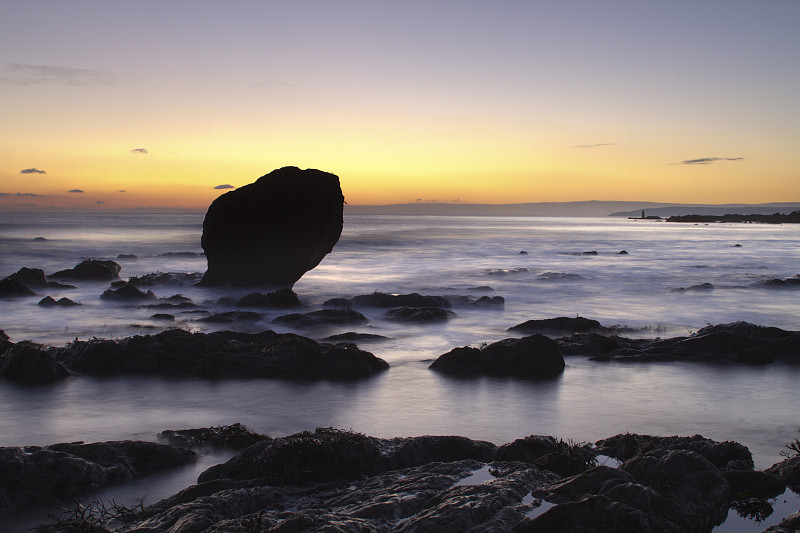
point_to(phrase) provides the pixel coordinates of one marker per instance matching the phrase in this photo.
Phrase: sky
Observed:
(149, 105)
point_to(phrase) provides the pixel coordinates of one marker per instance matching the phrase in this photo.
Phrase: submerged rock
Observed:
(535, 356)
(271, 232)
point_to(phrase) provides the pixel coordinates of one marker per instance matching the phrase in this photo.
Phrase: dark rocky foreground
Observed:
(334, 480)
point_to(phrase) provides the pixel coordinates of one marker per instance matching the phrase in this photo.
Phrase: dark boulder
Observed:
(49, 301)
(380, 299)
(220, 354)
(727, 455)
(560, 325)
(34, 277)
(127, 256)
(420, 314)
(128, 293)
(280, 299)
(91, 269)
(13, 288)
(29, 363)
(321, 318)
(271, 232)
(690, 480)
(325, 455)
(549, 453)
(535, 356)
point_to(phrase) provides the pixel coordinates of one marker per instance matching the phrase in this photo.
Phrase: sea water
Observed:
(473, 256)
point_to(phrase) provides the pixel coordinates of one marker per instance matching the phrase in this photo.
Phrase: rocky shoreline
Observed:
(336, 480)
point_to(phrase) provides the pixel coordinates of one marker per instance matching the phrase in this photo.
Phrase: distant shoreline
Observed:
(589, 208)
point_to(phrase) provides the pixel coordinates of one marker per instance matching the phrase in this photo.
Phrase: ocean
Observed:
(543, 267)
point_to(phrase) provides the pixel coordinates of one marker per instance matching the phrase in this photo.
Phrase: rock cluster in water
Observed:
(271, 232)
(334, 480)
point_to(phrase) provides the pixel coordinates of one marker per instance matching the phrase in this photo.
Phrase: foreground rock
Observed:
(34, 277)
(13, 288)
(560, 326)
(739, 342)
(333, 480)
(34, 474)
(220, 355)
(535, 356)
(271, 232)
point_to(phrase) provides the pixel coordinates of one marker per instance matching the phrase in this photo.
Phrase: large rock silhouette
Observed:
(271, 232)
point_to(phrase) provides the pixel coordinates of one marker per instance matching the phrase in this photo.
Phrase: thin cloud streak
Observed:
(707, 160)
(32, 171)
(75, 190)
(225, 186)
(597, 145)
(19, 194)
(139, 151)
(17, 74)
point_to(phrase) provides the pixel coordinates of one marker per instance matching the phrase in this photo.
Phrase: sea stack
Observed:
(271, 232)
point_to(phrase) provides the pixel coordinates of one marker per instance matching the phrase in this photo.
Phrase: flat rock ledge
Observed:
(177, 353)
(334, 480)
(32, 475)
(223, 354)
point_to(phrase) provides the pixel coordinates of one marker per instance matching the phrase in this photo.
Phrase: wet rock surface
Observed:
(535, 356)
(28, 363)
(739, 342)
(334, 480)
(271, 232)
(178, 353)
(91, 269)
(35, 474)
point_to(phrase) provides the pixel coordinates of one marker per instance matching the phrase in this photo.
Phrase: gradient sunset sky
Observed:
(111, 104)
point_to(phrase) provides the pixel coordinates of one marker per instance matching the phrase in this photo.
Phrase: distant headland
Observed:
(590, 208)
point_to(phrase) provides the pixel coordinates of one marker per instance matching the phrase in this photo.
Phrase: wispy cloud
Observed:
(18, 194)
(32, 171)
(139, 150)
(75, 190)
(707, 160)
(121, 190)
(99, 202)
(225, 186)
(597, 145)
(16, 74)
